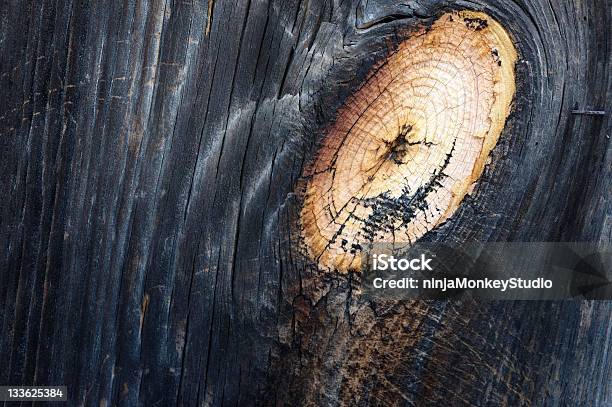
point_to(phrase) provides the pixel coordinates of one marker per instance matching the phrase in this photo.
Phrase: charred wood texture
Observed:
(152, 159)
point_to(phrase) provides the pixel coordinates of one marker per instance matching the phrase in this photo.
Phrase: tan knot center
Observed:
(408, 145)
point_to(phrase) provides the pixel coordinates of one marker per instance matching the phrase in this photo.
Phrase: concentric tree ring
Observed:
(407, 147)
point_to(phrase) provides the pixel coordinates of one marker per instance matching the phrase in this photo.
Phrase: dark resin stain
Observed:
(475, 24)
(387, 210)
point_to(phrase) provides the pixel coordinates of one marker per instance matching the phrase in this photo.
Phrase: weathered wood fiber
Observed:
(151, 154)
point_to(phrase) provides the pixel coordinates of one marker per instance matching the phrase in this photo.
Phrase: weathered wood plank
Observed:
(151, 155)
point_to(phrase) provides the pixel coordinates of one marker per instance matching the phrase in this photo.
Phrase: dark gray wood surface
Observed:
(151, 153)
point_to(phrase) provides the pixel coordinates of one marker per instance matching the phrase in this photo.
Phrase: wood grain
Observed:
(151, 155)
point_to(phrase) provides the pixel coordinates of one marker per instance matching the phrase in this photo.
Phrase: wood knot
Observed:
(408, 145)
